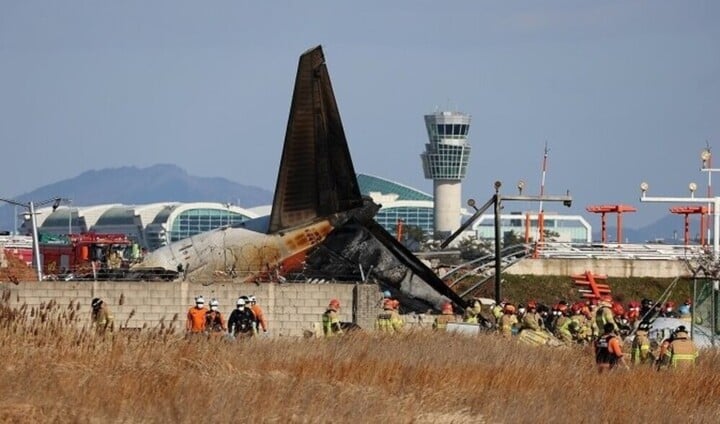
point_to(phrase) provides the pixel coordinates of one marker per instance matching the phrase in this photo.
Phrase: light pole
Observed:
(30, 206)
(706, 157)
(715, 201)
(496, 200)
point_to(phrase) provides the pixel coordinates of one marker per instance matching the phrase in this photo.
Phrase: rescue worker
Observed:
(684, 311)
(242, 322)
(472, 315)
(259, 315)
(607, 350)
(101, 317)
(508, 322)
(497, 311)
(604, 314)
(563, 324)
(331, 319)
(196, 317)
(681, 352)
(214, 321)
(592, 307)
(579, 325)
(669, 310)
(532, 319)
(446, 315)
(647, 308)
(640, 353)
(633, 313)
(389, 320)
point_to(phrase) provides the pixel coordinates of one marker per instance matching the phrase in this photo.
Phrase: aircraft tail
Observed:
(316, 177)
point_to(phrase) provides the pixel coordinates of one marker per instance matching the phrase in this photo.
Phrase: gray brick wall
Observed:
(291, 309)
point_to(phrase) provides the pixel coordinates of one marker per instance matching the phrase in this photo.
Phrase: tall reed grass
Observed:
(55, 368)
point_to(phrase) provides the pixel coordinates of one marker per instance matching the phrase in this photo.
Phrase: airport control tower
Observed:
(445, 161)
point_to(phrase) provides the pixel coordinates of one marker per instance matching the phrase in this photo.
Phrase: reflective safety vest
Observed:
(682, 352)
(389, 321)
(331, 323)
(603, 316)
(640, 348)
(531, 321)
(507, 323)
(441, 321)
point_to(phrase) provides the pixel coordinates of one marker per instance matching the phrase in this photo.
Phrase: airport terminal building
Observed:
(157, 224)
(150, 226)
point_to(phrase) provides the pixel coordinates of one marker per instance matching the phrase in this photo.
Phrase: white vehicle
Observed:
(662, 328)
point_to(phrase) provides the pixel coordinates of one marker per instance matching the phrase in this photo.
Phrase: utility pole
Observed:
(496, 201)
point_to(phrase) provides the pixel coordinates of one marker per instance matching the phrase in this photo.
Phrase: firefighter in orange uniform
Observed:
(608, 352)
(196, 317)
(259, 315)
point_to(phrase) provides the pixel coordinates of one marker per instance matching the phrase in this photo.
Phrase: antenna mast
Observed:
(541, 217)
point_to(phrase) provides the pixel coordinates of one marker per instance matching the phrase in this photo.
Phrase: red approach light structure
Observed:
(692, 210)
(588, 286)
(605, 209)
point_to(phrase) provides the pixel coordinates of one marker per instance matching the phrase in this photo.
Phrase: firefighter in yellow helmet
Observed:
(389, 320)
(447, 315)
(331, 319)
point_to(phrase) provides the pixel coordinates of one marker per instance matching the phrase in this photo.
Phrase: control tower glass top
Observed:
(446, 155)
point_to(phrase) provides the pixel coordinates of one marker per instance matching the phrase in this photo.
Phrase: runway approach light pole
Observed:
(496, 201)
(715, 201)
(30, 206)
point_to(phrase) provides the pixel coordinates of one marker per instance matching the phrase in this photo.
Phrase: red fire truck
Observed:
(85, 255)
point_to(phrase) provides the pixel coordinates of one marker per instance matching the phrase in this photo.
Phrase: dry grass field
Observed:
(55, 371)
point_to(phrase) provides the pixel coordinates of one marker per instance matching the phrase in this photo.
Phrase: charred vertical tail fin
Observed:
(316, 176)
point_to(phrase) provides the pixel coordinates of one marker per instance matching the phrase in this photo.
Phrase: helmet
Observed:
(644, 326)
(96, 303)
(577, 307)
(334, 304)
(240, 303)
(617, 309)
(387, 294)
(200, 301)
(214, 304)
(532, 304)
(647, 303)
(681, 329)
(252, 298)
(684, 309)
(608, 327)
(509, 308)
(670, 305)
(447, 308)
(388, 304)
(521, 309)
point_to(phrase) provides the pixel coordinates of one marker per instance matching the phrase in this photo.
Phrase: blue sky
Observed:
(622, 91)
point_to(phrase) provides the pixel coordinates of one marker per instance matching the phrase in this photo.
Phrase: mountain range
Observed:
(135, 186)
(165, 183)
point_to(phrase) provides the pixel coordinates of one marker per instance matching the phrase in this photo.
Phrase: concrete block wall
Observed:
(290, 309)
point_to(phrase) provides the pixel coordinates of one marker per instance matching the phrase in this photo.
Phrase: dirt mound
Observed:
(16, 270)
